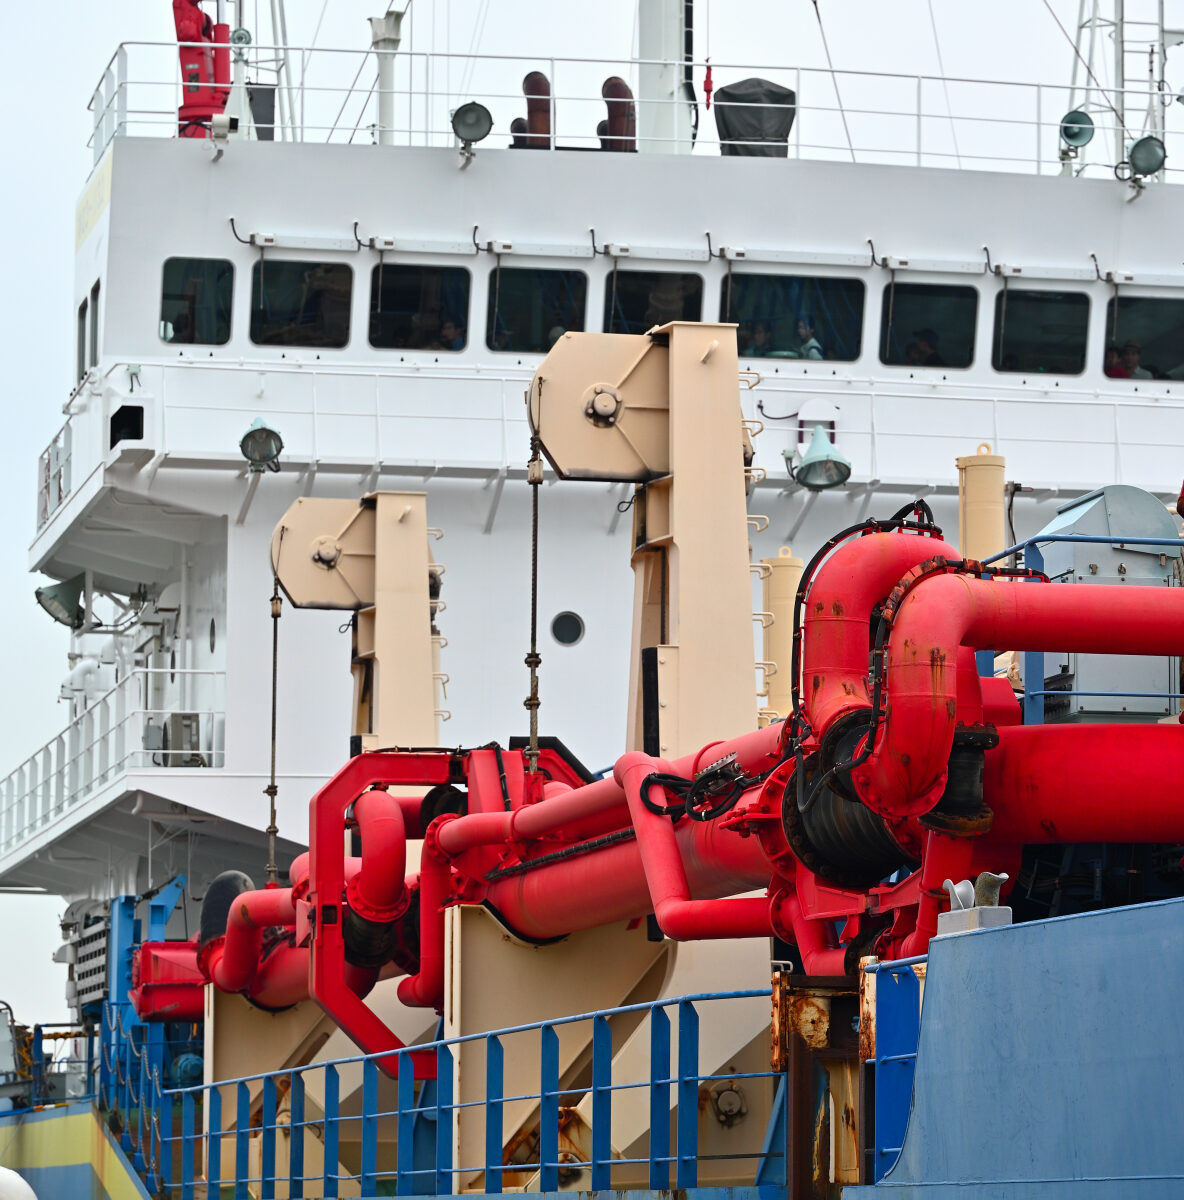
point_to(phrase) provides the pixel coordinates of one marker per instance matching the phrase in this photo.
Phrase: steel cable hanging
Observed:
(834, 81)
(945, 84)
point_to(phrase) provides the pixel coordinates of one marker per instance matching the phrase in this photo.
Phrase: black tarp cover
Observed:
(744, 128)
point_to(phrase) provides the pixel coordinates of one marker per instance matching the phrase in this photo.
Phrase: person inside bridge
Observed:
(926, 343)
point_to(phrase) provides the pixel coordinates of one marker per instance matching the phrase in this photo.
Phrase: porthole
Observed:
(567, 628)
(213, 635)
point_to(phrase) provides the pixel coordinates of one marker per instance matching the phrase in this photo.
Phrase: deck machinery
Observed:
(898, 766)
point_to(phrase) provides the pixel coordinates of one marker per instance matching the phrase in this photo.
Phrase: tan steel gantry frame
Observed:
(660, 410)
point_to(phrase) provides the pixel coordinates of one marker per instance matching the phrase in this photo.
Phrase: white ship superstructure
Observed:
(381, 298)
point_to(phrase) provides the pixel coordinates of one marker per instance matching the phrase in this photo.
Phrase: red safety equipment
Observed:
(167, 984)
(205, 67)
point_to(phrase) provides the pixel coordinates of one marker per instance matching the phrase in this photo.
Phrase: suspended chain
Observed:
(271, 789)
(534, 476)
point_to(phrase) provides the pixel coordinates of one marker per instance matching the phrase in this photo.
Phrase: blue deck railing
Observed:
(250, 1134)
(1034, 659)
(898, 1025)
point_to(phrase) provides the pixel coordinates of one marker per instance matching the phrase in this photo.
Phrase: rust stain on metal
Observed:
(937, 660)
(1050, 829)
(837, 609)
(951, 708)
(848, 689)
(809, 1018)
(817, 682)
(820, 608)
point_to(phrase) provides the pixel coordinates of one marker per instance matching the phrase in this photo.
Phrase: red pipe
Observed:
(425, 989)
(813, 938)
(378, 892)
(838, 613)
(1086, 783)
(679, 916)
(233, 967)
(944, 858)
(907, 772)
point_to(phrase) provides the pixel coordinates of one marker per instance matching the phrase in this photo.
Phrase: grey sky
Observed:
(60, 53)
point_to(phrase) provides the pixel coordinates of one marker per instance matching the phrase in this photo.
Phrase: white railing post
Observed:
(121, 92)
(59, 773)
(73, 749)
(87, 734)
(920, 132)
(45, 784)
(121, 718)
(104, 736)
(1039, 128)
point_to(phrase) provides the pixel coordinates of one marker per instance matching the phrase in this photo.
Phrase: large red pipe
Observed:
(907, 772)
(679, 916)
(1087, 783)
(425, 989)
(378, 892)
(846, 588)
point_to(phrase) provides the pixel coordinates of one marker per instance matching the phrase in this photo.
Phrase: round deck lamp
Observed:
(822, 466)
(1147, 156)
(1077, 129)
(471, 123)
(63, 601)
(261, 446)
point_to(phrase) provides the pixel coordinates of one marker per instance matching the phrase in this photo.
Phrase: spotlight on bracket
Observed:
(471, 123)
(1077, 129)
(63, 601)
(821, 467)
(261, 446)
(1147, 157)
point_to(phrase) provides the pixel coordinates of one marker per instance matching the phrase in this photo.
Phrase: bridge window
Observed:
(1144, 338)
(419, 307)
(195, 301)
(634, 301)
(1040, 332)
(794, 316)
(81, 342)
(928, 325)
(531, 309)
(300, 304)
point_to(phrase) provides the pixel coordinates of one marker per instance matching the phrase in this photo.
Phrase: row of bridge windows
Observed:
(308, 304)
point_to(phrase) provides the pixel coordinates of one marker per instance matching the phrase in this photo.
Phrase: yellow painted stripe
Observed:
(68, 1140)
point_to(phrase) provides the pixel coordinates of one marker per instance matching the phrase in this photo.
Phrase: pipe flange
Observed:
(972, 824)
(379, 914)
(976, 737)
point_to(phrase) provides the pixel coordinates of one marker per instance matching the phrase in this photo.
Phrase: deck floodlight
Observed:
(471, 123)
(261, 446)
(822, 466)
(1077, 129)
(63, 601)
(1147, 156)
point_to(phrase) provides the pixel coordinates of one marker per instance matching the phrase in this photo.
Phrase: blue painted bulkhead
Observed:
(1049, 1063)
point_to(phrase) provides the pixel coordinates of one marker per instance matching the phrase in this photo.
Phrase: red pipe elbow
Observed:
(679, 916)
(425, 989)
(838, 613)
(233, 966)
(378, 891)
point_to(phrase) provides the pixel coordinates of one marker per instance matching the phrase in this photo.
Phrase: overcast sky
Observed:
(58, 54)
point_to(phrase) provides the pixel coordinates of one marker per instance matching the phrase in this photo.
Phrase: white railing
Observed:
(129, 728)
(886, 117)
(53, 475)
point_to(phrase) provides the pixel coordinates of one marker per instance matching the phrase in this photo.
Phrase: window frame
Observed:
(93, 356)
(491, 281)
(303, 262)
(881, 337)
(997, 341)
(615, 270)
(729, 277)
(1112, 302)
(230, 302)
(421, 266)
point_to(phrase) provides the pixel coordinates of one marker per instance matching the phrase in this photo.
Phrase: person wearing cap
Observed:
(1131, 353)
(926, 340)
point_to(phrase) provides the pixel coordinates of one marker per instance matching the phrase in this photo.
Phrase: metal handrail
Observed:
(1034, 659)
(674, 1082)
